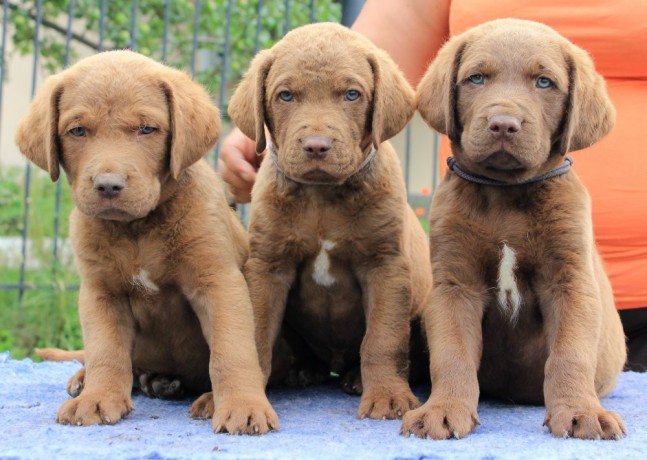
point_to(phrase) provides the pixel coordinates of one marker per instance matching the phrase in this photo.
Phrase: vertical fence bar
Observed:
(196, 28)
(223, 71)
(312, 12)
(102, 23)
(286, 19)
(57, 211)
(5, 17)
(257, 36)
(133, 26)
(167, 18)
(349, 11)
(25, 217)
(243, 209)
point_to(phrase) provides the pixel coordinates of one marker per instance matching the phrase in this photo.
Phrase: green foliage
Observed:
(42, 199)
(46, 316)
(149, 31)
(10, 206)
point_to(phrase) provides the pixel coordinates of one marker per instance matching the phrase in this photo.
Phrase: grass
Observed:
(47, 316)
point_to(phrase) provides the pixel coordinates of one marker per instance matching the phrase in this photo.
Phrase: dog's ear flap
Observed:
(393, 98)
(589, 113)
(37, 134)
(247, 104)
(195, 121)
(436, 94)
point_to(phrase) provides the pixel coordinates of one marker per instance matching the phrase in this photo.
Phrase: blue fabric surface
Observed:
(316, 423)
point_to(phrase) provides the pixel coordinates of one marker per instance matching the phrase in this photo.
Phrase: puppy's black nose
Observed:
(316, 147)
(109, 185)
(503, 126)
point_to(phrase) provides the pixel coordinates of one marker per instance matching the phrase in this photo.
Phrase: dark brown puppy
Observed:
(334, 246)
(159, 251)
(520, 303)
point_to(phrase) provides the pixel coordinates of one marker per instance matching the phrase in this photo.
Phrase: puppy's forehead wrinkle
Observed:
(134, 115)
(316, 80)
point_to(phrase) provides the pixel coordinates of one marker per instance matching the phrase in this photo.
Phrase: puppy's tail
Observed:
(56, 354)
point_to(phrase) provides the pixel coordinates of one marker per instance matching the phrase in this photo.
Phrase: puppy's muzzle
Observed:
(109, 185)
(316, 147)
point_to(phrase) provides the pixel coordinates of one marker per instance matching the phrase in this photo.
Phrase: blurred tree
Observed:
(140, 25)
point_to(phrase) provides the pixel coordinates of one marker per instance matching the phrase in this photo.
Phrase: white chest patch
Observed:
(321, 274)
(143, 281)
(508, 292)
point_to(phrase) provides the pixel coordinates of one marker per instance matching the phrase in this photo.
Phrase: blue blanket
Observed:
(316, 423)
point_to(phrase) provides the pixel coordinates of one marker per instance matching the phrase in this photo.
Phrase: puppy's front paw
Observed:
(440, 420)
(203, 406)
(76, 383)
(244, 415)
(385, 403)
(584, 422)
(92, 409)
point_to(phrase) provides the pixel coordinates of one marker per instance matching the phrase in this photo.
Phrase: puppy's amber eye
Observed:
(286, 96)
(477, 78)
(79, 131)
(543, 83)
(352, 95)
(146, 130)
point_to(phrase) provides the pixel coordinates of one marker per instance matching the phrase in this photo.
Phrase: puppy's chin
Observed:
(319, 176)
(318, 173)
(503, 161)
(116, 214)
(112, 212)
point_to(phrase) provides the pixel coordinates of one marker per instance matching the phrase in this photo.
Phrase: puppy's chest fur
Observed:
(508, 239)
(137, 264)
(331, 241)
(332, 238)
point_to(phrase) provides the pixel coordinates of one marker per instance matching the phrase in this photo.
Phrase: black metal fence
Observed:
(212, 39)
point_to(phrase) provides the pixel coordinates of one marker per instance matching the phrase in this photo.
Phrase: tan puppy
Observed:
(158, 250)
(520, 304)
(335, 248)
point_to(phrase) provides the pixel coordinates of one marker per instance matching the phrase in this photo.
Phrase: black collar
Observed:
(562, 169)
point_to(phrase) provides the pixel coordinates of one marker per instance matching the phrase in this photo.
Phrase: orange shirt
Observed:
(614, 170)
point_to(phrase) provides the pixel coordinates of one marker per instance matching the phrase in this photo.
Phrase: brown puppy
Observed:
(520, 304)
(158, 250)
(334, 246)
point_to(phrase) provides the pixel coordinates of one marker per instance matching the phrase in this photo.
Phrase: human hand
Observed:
(238, 164)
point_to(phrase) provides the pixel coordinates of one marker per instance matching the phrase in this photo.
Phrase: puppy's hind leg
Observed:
(158, 386)
(75, 384)
(203, 406)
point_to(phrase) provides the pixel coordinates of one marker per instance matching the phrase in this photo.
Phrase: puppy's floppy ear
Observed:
(436, 94)
(247, 105)
(195, 121)
(393, 98)
(589, 114)
(37, 134)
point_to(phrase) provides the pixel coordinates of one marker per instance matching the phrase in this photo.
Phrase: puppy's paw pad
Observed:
(160, 386)
(585, 423)
(440, 421)
(245, 417)
(75, 384)
(89, 409)
(203, 406)
(383, 405)
(351, 383)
